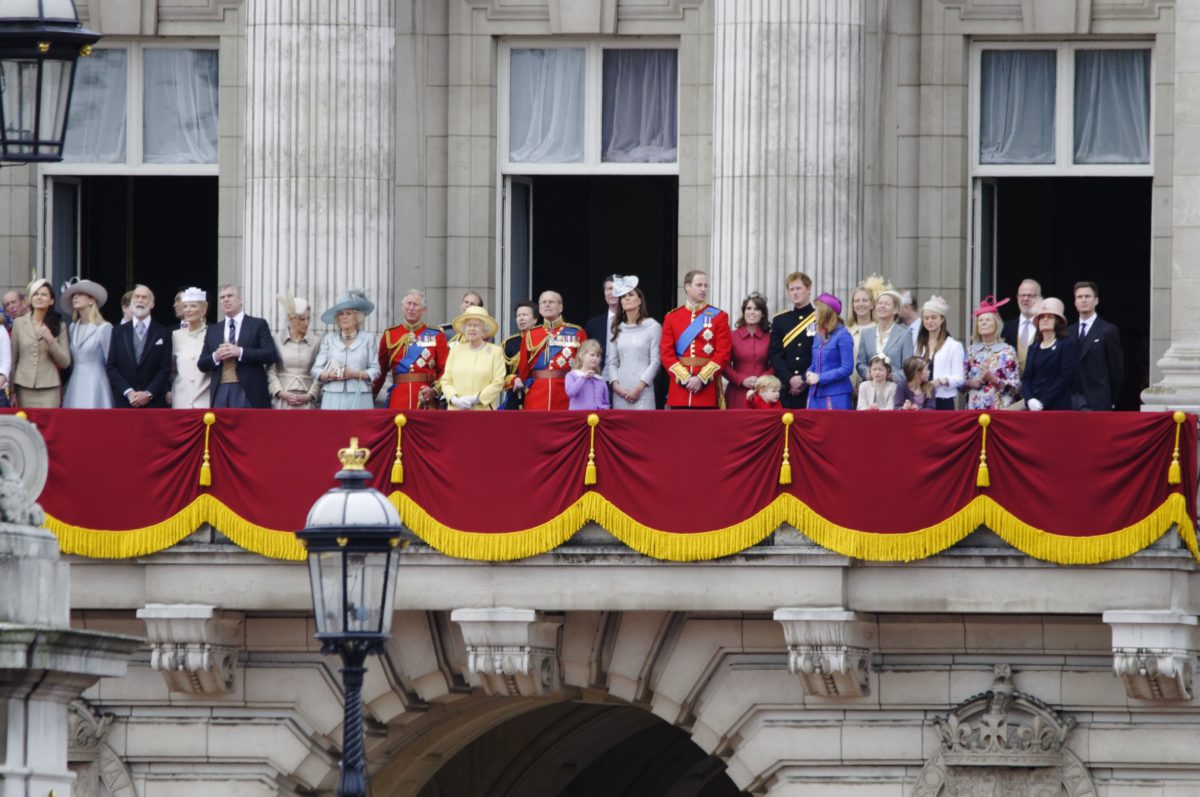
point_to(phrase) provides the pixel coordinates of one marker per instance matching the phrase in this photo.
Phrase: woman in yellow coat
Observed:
(475, 369)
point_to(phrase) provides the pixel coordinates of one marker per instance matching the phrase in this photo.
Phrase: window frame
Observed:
(1064, 111)
(134, 116)
(593, 48)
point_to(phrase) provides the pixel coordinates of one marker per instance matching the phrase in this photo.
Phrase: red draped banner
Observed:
(1072, 488)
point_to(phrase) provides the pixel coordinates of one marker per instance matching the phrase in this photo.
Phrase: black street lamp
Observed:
(40, 41)
(353, 536)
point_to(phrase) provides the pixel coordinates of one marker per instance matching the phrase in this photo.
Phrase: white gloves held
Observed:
(464, 402)
(1034, 405)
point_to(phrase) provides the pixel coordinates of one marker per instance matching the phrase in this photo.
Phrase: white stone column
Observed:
(787, 146)
(1180, 366)
(320, 160)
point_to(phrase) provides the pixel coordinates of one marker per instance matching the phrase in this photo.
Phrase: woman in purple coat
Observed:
(832, 358)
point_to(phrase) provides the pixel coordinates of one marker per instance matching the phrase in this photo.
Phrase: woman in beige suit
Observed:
(39, 350)
(190, 387)
(289, 380)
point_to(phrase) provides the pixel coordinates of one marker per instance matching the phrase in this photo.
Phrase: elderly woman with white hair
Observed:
(993, 378)
(475, 369)
(346, 366)
(290, 381)
(191, 388)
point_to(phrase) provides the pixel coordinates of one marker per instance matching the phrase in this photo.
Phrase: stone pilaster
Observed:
(787, 145)
(1180, 366)
(320, 152)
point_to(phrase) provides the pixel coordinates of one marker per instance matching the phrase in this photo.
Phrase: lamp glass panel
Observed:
(25, 9)
(366, 580)
(56, 88)
(18, 95)
(325, 572)
(59, 9)
(387, 607)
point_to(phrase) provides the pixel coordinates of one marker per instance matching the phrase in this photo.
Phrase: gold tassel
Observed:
(1174, 472)
(589, 474)
(398, 465)
(21, 414)
(205, 467)
(785, 469)
(983, 478)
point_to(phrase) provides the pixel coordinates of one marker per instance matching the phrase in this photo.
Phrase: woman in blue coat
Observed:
(1050, 361)
(832, 358)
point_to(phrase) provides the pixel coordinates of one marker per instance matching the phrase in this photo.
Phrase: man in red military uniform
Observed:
(696, 345)
(415, 355)
(545, 356)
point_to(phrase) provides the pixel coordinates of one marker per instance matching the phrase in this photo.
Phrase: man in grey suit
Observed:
(1097, 381)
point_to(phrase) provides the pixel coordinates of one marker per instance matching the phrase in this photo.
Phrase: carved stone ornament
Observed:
(512, 651)
(1003, 742)
(98, 769)
(23, 469)
(195, 647)
(829, 648)
(1154, 653)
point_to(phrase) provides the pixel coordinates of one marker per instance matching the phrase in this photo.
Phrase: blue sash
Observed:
(414, 353)
(693, 329)
(549, 352)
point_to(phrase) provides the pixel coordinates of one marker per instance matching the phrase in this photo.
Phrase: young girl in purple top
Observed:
(586, 388)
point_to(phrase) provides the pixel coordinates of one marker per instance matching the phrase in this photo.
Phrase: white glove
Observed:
(460, 402)
(1034, 405)
(471, 401)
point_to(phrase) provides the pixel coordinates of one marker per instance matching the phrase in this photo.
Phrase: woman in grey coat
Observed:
(888, 337)
(632, 359)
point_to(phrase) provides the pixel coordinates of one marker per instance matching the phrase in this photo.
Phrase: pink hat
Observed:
(834, 302)
(990, 305)
(1051, 306)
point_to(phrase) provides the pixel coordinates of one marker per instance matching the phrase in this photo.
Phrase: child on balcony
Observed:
(916, 392)
(586, 388)
(765, 394)
(879, 391)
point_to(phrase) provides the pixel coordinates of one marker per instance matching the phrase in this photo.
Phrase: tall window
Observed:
(1071, 108)
(589, 108)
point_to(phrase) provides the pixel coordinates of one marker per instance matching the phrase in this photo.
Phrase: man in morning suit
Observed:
(695, 348)
(600, 327)
(414, 353)
(790, 350)
(1098, 376)
(238, 351)
(139, 358)
(1019, 332)
(545, 356)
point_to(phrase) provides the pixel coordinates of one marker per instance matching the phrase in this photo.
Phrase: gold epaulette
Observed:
(783, 312)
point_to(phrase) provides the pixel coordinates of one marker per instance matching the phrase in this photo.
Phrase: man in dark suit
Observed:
(1097, 381)
(1019, 332)
(600, 327)
(238, 351)
(790, 349)
(139, 358)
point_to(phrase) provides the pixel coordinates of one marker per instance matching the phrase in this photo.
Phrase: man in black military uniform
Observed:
(790, 352)
(527, 318)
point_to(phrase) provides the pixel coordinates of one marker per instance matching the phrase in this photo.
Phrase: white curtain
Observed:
(1112, 106)
(640, 120)
(180, 106)
(545, 106)
(1016, 106)
(96, 127)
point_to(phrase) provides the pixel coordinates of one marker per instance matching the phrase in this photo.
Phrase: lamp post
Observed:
(353, 537)
(40, 41)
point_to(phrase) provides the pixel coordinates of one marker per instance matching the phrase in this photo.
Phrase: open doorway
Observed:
(580, 229)
(1063, 230)
(160, 231)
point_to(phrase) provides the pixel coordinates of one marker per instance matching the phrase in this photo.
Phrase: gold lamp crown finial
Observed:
(353, 457)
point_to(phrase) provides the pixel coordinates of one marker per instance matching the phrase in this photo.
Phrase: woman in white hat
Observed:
(90, 336)
(1050, 362)
(944, 354)
(633, 349)
(39, 350)
(191, 388)
(475, 369)
(290, 380)
(346, 364)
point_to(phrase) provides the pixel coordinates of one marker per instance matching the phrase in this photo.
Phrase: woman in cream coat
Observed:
(289, 380)
(190, 387)
(475, 369)
(346, 364)
(40, 350)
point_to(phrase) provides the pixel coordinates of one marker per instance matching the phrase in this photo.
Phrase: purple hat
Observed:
(834, 302)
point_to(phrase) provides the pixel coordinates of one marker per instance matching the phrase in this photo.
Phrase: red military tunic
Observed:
(704, 356)
(545, 357)
(411, 373)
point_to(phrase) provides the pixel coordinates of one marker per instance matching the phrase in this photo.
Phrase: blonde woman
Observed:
(90, 338)
(191, 388)
(475, 369)
(993, 378)
(346, 365)
(40, 350)
(290, 380)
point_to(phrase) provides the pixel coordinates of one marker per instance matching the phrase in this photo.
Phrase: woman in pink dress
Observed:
(751, 337)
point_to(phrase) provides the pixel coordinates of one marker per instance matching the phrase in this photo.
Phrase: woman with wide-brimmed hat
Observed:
(191, 388)
(1050, 361)
(90, 336)
(346, 364)
(40, 350)
(475, 369)
(290, 380)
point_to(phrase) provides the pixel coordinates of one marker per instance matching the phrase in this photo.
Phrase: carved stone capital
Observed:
(1154, 653)
(194, 646)
(829, 648)
(512, 651)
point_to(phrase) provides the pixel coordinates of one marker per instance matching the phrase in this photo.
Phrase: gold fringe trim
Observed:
(129, 543)
(670, 546)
